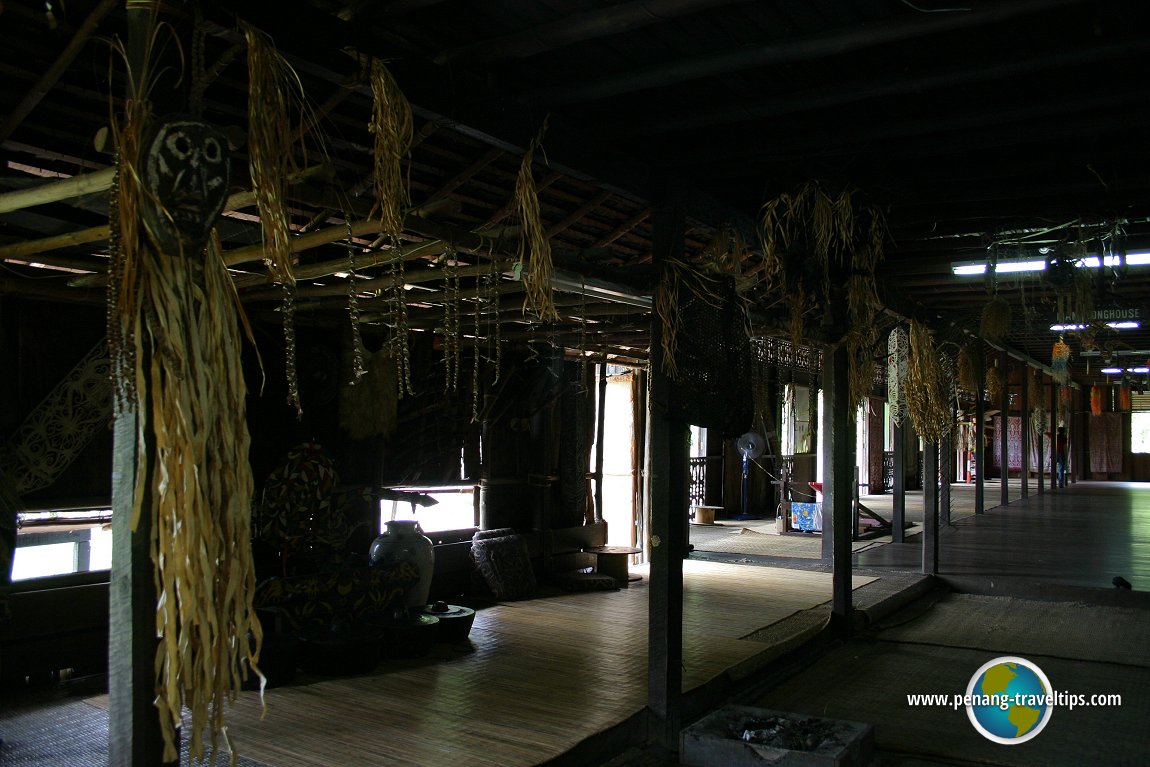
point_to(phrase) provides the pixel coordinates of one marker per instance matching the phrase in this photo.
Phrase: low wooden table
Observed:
(612, 560)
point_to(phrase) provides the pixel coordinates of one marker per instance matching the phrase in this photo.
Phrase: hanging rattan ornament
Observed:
(898, 350)
(995, 324)
(968, 370)
(1060, 361)
(994, 383)
(927, 401)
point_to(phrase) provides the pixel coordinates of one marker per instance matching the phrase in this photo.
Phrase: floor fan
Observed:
(750, 446)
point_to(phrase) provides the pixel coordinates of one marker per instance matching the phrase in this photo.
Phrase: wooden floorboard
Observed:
(538, 677)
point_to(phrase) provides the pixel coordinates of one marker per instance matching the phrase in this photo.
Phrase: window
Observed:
(1140, 423)
(454, 508)
(57, 542)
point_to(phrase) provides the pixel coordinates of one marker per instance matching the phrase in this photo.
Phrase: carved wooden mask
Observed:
(186, 171)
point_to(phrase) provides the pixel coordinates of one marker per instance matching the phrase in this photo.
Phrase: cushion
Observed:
(505, 566)
(580, 581)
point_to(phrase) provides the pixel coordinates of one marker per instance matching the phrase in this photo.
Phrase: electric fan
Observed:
(750, 445)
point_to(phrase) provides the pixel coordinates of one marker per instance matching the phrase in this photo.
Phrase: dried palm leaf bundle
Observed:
(270, 160)
(677, 276)
(968, 369)
(1034, 387)
(393, 127)
(1060, 361)
(898, 353)
(368, 408)
(196, 484)
(860, 343)
(927, 397)
(995, 323)
(994, 383)
(534, 253)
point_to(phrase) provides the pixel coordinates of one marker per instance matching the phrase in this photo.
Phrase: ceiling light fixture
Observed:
(1116, 325)
(969, 268)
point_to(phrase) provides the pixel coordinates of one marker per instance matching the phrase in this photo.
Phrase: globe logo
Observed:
(1009, 700)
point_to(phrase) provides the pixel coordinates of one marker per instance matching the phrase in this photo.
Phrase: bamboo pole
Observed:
(54, 191)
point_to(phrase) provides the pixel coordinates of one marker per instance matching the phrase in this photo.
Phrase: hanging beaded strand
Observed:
(400, 349)
(475, 360)
(288, 311)
(493, 304)
(357, 368)
(451, 348)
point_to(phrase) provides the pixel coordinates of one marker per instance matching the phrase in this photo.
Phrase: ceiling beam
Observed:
(575, 28)
(59, 66)
(791, 51)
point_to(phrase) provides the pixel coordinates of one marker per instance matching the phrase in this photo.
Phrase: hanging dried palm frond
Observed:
(270, 142)
(927, 399)
(393, 127)
(995, 323)
(197, 484)
(968, 369)
(994, 383)
(678, 275)
(898, 351)
(534, 254)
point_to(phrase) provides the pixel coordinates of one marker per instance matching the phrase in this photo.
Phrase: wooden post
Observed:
(1040, 464)
(898, 501)
(980, 437)
(1053, 434)
(599, 429)
(668, 504)
(1024, 405)
(837, 429)
(1004, 435)
(930, 508)
(945, 473)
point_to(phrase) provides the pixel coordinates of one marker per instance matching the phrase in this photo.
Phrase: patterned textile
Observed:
(807, 516)
(505, 566)
(356, 593)
(1106, 443)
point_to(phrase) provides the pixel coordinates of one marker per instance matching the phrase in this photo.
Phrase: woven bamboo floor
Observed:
(535, 679)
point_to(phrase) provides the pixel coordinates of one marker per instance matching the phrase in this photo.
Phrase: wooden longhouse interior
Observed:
(698, 337)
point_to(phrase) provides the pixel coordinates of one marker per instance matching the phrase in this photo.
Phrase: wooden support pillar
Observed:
(1053, 434)
(600, 424)
(668, 482)
(1040, 463)
(930, 508)
(980, 437)
(1024, 405)
(945, 473)
(134, 735)
(898, 501)
(1004, 434)
(837, 431)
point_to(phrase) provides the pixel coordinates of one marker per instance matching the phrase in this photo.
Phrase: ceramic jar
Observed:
(403, 541)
